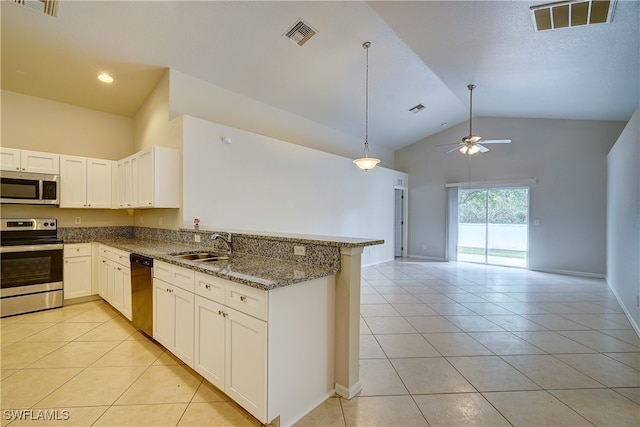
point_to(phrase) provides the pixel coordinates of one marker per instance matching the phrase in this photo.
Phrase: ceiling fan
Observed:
(471, 144)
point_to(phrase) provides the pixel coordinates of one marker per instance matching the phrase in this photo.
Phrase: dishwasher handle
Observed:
(141, 260)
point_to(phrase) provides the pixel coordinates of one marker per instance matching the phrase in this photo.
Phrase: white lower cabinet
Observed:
(230, 352)
(269, 351)
(115, 279)
(231, 346)
(77, 270)
(173, 310)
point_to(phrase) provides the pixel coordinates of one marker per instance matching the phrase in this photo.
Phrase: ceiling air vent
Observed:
(48, 7)
(417, 108)
(572, 13)
(300, 32)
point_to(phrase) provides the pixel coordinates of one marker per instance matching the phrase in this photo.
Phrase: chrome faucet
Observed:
(226, 240)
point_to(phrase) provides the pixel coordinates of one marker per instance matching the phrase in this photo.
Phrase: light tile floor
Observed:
(441, 344)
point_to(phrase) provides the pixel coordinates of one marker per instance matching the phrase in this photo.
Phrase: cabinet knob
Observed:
(24, 169)
(207, 286)
(119, 269)
(77, 249)
(66, 261)
(17, 169)
(243, 298)
(220, 312)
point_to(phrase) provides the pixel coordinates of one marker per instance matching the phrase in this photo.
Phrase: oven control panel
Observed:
(27, 224)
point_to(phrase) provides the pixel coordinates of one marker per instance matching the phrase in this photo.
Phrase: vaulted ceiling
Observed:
(423, 52)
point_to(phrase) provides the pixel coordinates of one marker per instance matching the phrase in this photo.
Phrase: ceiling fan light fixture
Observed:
(470, 150)
(366, 162)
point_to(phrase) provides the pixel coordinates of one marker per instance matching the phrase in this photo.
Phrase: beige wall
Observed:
(38, 124)
(152, 125)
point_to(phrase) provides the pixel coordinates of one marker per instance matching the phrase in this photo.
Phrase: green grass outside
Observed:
(503, 253)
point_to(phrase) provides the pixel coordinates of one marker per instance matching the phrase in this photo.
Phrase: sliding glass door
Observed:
(493, 225)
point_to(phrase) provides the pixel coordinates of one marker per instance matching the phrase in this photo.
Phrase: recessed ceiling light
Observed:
(105, 78)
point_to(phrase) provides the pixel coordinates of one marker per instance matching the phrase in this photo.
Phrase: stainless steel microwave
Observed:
(29, 188)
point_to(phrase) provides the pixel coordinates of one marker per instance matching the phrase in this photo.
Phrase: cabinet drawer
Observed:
(247, 300)
(121, 257)
(182, 278)
(210, 287)
(162, 271)
(77, 249)
(106, 251)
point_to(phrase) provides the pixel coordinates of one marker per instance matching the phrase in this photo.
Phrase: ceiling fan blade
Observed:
(452, 150)
(496, 141)
(482, 148)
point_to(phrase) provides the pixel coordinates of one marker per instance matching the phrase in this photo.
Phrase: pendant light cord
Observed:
(366, 46)
(471, 87)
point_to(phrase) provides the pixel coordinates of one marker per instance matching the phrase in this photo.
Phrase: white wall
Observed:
(568, 158)
(623, 219)
(194, 97)
(258, 183)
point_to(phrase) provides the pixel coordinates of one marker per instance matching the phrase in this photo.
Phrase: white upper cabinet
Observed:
(13, 159)
(150, 179)
(85, 182)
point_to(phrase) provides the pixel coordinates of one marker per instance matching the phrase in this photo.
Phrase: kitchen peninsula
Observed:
(309, 287)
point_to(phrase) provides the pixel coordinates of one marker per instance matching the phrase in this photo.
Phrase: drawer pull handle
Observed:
(243, 298)
(207, 286)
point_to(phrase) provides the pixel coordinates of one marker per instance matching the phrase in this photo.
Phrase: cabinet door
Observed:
(98, 183)
(77, 277)
(122, 290)
(120, 185)
(104, 278)
(183, 303)
(39, 162)
(163, 313)
(208, 358)
(246, 362)
(73, 182)
(145, 178)
(130, 165)
(127, 307)
(9, 159)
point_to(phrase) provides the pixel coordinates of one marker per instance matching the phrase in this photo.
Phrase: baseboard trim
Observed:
(350, 392)
(630, 318)
(427, 258)
(569, 272)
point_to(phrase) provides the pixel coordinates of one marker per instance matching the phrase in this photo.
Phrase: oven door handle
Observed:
(31, 248)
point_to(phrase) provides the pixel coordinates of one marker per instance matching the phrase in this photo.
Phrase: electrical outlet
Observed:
(77, 220)
(196, 238)
(299, 250)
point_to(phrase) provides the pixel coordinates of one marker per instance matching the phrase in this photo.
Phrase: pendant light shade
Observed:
(366, 162)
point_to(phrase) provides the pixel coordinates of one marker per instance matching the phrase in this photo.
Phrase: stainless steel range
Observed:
(31, 272)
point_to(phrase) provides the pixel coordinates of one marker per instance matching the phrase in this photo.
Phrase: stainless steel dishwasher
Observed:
(142, 293)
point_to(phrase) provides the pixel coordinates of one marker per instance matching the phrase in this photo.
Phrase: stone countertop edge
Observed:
(255, 271)
(347, 242)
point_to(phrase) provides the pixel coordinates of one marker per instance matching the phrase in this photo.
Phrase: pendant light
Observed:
(366, 162)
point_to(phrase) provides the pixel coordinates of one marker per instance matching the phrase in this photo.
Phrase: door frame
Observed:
(400, 226)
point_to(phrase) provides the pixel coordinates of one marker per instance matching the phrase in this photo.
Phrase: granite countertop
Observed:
(255, 271)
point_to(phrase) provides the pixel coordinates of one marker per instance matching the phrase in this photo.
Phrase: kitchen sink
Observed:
(201, 256)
